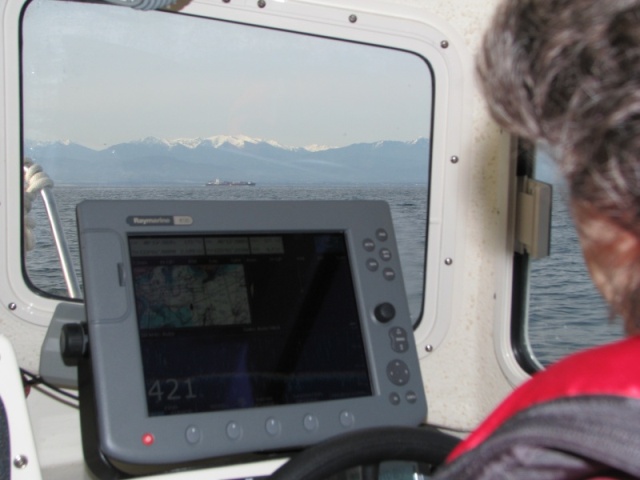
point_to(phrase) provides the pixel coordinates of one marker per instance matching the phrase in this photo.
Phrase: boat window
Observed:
(121, 103)
(565, 312)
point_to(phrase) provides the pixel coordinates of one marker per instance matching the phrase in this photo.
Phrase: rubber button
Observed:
(347, 419)
(369, 245)
(385, 254)
(389, 274)
(310, 423)
(411, 397)
(273, 427)
(382, 235)
(372, 264)
(193, 434)
(234, 431)
(399, 339)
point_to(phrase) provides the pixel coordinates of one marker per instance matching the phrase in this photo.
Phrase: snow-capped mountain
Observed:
(221, 141)
(236, 158)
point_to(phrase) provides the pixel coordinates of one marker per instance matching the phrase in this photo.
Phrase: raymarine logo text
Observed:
(145, 221)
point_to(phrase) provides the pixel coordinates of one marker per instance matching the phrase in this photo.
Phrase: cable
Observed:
(31, 379)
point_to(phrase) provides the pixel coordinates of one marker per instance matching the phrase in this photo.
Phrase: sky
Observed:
(99, 75)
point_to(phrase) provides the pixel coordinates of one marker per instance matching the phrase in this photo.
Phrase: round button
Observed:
(369, 245)
(394, 398)
(411, 397)
(372, 264)
(385, 312)
(234, 431)
(382, 235)
(398, 372)
(310, 423)
(385, 254)
(389, 274)
(193, 434)
(347, 419)
(273, 427)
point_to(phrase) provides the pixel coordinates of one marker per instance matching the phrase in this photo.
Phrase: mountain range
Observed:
(154, 161)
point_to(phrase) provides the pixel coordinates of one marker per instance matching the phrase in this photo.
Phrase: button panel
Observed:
(378, 261)
(384, 254)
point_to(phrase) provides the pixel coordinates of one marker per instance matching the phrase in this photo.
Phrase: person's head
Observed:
(567, 73)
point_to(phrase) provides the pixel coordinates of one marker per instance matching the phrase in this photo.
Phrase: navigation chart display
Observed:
(237, 321)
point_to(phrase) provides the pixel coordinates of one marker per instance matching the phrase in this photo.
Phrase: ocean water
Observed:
(566, 313)
(408, 205)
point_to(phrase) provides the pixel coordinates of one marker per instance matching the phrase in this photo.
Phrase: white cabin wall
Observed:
(26, 338)
(471, 370)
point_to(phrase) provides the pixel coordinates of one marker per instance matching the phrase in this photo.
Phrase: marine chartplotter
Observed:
(227, 327)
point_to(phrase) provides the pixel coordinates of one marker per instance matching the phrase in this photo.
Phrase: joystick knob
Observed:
(384, 312)
(73, 342)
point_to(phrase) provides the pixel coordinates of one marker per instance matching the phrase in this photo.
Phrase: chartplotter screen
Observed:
(246, 320)
(227, 327)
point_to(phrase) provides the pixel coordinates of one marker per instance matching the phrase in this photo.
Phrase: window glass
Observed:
(120, 103)
(566, 311)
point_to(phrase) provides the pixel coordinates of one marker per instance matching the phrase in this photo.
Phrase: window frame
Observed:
(399, 28)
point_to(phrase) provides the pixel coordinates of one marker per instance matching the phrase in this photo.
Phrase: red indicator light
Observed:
(147, 439)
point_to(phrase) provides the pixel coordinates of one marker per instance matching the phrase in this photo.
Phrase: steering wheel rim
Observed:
(367, 447)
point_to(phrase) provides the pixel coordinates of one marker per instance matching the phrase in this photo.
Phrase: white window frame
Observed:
(395, 27)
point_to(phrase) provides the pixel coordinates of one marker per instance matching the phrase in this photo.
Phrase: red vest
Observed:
(613, 369)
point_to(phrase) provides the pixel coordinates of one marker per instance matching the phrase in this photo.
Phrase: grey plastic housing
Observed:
(123, 421)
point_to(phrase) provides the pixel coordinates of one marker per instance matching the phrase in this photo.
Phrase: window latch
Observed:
(533, 218)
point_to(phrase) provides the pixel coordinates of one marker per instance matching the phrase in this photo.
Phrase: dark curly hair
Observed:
(567, 73)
